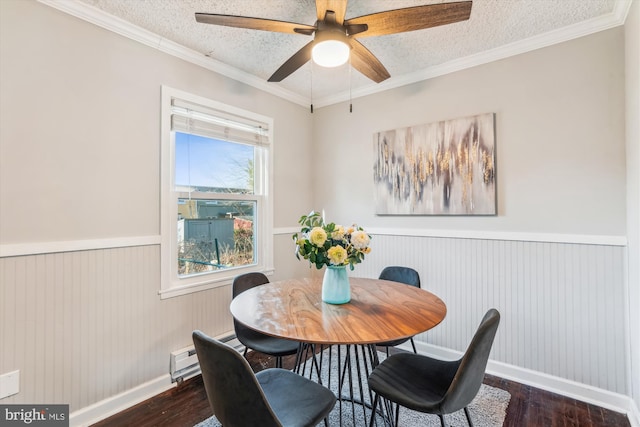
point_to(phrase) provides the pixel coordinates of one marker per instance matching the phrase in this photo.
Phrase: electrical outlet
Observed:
(9, 384)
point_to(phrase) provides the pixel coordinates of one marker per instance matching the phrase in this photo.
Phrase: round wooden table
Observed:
(379, 311)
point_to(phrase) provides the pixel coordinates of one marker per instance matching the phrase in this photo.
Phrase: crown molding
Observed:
(126, 29)
(119, 26)
(591, 26)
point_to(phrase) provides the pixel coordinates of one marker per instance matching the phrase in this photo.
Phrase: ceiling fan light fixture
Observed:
(330, 53)
(331, 48)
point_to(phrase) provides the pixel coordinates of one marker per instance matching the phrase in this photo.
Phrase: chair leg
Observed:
(414, 346)
(466, 412)
(326, 422)
(397, 415)
(373, 409)
(442, 421)
(278, 361)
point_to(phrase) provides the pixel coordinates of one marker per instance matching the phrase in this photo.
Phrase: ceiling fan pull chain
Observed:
(350, 97)
(311, 96)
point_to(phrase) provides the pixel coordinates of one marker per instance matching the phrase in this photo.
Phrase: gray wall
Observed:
(632, 74)
(81, 129)
(79, 162)
(553, 260)
(559, 137)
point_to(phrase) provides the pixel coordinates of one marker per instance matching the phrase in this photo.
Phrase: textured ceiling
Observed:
(495, 29)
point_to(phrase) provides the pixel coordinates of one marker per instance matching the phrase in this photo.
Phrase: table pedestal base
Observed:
(344, 369)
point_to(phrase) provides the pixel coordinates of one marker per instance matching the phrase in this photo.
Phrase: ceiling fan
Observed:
(332, 28)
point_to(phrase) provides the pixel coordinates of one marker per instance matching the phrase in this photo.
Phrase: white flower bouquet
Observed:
(330, 244)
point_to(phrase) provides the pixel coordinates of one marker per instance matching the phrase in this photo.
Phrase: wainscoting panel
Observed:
(562, 304)
(84, 326)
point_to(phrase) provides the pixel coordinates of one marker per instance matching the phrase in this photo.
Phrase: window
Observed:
(215, 205)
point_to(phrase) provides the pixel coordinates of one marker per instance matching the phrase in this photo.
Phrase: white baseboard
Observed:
(586, 393)
(634, 415)
(118, 403)
(603, 398)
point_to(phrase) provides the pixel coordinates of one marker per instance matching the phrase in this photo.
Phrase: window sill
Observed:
(177, 291)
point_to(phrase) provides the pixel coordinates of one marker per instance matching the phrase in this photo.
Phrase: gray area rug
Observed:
(487, 410)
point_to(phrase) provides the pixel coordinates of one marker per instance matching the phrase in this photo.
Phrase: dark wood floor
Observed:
(187, 405)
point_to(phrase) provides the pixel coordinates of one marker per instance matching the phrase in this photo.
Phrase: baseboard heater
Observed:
(184, 362)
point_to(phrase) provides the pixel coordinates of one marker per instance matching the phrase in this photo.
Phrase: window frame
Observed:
(171, 284)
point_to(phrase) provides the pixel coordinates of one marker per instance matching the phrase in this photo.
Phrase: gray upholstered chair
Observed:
(272, 397)
(436, 386)
(405, 275)
(255, 340)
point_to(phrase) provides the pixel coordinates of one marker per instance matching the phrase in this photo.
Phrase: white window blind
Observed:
(201, 120)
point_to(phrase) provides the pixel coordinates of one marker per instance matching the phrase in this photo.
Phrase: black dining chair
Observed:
(272, 397)
(435, 386)
(252, 339)
(405, 275)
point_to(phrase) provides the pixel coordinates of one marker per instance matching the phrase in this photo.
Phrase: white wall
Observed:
(553, 260)
(632, 51)
(79, 159)
(80, 165)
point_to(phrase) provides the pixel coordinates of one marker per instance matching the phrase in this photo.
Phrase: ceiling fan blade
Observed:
(364, 61)
(337, 6)
(412, 18)
(255, 23)
(298, 59)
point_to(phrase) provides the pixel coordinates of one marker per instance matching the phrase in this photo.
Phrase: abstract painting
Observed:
(440, 168)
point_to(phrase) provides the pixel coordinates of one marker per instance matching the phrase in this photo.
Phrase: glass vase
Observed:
(335, 285)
